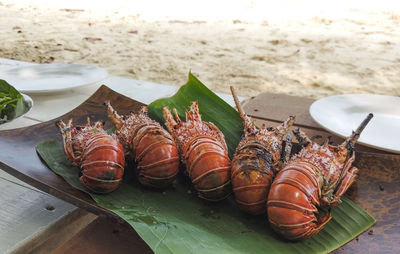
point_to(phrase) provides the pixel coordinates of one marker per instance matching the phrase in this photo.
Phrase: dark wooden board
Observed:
(104, 237)
(18, 156)
(278, 107)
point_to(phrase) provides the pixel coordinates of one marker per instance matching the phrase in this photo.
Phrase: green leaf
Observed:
(212, 109)
(177, 221)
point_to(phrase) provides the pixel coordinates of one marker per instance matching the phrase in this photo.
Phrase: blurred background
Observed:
(306, 48)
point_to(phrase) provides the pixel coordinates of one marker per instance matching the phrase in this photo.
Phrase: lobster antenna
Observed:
(235, 98)
(356, 134)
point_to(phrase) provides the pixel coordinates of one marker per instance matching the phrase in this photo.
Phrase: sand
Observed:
(293, 47)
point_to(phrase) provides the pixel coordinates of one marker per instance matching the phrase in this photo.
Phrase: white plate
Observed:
(343, 113)
(45, 78)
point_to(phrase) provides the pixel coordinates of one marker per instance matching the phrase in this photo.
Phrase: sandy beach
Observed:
(293, 47)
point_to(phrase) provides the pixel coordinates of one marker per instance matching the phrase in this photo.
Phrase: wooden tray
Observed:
(376, 190)
(18, 156)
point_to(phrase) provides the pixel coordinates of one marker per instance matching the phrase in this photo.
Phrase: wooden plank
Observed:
(105, 237)
(56, 234)
(26, 213)
(278, 107)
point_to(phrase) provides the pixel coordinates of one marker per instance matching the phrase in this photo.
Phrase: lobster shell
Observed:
(99, 155)
(315, 177)
(150, 145)
(255, 161)
(204, 152)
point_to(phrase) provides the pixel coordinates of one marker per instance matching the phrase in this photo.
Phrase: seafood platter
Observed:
(191, 174)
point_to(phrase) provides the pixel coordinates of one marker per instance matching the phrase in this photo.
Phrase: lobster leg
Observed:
(143, 111)
(322, 221)
(283, 128)
(249, 126)
(346, 153)
(287, 150)
(113, 115)
(356, 134)
(169, 119)
(67, 140)
(345, 183)
(97, 124)
(302, 137)
(193, 114)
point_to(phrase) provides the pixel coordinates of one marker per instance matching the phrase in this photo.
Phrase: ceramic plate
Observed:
(45, 78)
(343, 113)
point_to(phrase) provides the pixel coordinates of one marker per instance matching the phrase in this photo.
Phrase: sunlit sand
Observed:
(304, 48)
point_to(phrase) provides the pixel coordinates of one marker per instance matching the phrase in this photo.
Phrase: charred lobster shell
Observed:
(256, 159)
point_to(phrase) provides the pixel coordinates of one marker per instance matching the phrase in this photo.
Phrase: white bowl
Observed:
(28, 101)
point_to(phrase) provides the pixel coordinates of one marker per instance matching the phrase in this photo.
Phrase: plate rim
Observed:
(313, 106)
(104, 75)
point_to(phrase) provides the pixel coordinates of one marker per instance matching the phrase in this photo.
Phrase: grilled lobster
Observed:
(150, 145)
(99, 155)
(315, 177)
(204, 152)
(256, 160)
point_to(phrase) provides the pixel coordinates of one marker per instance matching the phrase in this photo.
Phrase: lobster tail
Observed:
(256, 160)
(151, 146)
(252, 174)
(208, 167)
(292, 202)
(317, 176)
(156, 156)
(203, 150)
(102, 164)
(99, 155)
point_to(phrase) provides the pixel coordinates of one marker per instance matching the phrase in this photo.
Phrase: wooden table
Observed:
(375, 191)
(28, 215)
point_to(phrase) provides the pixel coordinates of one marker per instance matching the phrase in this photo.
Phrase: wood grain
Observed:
(278, 107)
(104, 237)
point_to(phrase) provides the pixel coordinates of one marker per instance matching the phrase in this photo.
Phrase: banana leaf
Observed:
(212, 109)
(177, 221)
